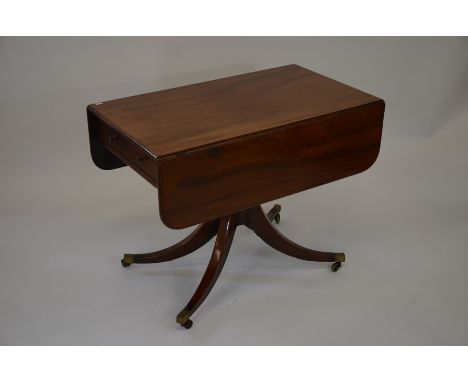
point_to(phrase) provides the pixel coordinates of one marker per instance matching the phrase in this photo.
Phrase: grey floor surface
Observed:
(405, 281)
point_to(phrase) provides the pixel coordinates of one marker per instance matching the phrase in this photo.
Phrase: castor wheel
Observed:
(277, 218)
(124, 263)
(335, 266)
(127, 261)
(274, 214)
(187, 324)
(184, 320)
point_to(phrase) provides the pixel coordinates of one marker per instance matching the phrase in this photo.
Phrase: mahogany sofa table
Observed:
(217, 150)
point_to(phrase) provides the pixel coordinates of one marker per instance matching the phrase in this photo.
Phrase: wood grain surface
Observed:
(206, 184)
(182, 119)
(219, 147)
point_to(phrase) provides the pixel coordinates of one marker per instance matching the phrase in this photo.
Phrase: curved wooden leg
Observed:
(202, 234)
(226, 230)
(260, 224)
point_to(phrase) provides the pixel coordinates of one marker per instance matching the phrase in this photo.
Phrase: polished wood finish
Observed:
(217, 150)
(111, 149)
(224, 237)
(197, 239)
(258, 222)
(225, 228)
(221, 146)
(206, 184)
(176, 121)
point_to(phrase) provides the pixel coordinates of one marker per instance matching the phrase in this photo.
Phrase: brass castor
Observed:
(184, 320)
(187, 324)
(127, 261)
(274, 214)
(277, 218)
(335, 266)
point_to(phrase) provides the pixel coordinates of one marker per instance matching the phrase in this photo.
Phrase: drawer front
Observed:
(137, 157)
(109, 138)
(123, 148)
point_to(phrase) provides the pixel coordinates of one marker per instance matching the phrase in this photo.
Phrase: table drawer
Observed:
(138, 157)
(109, 138)
(123, 148)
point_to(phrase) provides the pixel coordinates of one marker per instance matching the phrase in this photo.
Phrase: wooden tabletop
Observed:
(215, 148)
(180, 120)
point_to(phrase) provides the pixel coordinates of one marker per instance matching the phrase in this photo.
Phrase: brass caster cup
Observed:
(184, 320)
(188, 324)
(127, 261)
(335, 266)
